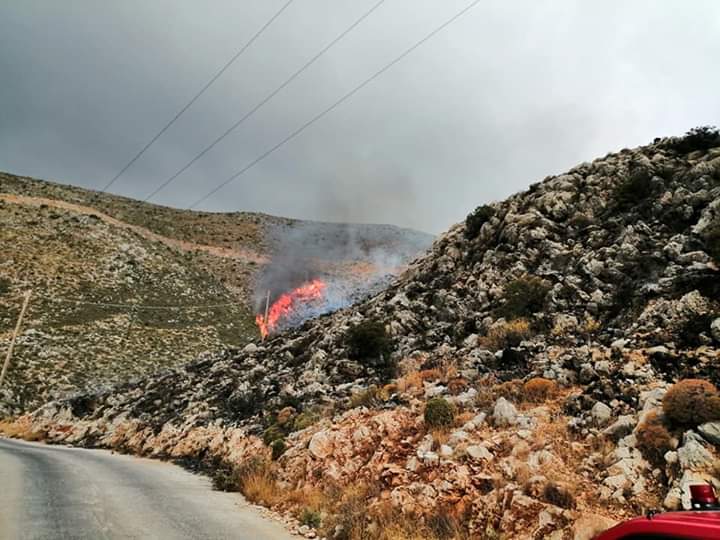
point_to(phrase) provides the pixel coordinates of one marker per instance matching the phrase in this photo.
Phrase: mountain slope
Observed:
(552, 322)
(123, 289)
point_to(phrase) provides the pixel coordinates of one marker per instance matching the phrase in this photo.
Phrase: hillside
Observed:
(515, 382)
(122, 288)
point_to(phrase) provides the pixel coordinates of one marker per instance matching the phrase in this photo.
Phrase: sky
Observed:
(511, 92)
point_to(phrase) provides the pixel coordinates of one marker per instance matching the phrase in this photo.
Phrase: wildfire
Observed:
(284, 306)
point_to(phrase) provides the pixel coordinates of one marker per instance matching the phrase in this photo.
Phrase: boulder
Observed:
(321, 444)
(601, 413)
(504, 413)
(710, 431)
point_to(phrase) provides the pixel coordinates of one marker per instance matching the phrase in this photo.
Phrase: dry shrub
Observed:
(653, 440)
(257, 483)
(511, 390)
(457, 386)
(365, 398)
(538, 389)
(507, 334)
(559, 494)
(410, 382)
(430, 375)
(590, 326)
(692, 402)
(21, 430)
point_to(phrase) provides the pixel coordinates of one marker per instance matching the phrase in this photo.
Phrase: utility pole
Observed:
(26, 301)
(267, 309)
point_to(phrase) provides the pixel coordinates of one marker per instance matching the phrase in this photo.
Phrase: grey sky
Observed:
(508, 94)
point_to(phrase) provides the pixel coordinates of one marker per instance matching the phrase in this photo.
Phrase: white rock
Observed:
(601, 413)
(715, 329)
(693, 455)
(504, 413)
(478, 452)
(321, 445)
(710, 431)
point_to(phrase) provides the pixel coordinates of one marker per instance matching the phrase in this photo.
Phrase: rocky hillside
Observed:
(123, 289)
(513, 383)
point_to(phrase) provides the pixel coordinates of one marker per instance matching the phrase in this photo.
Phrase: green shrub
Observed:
(635, 189)
(278, 448)
(368, 339)
(653, 440)
(523, 297)
(439, 413)
(475, 220)
(698, 138)
(370, 342)
(273, 433)
(304, 420)
(311, 518)
(692, 402)
(4, 285)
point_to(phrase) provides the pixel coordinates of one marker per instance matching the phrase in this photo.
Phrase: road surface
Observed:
(55, 492)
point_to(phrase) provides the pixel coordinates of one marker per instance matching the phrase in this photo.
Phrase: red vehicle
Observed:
(700, 523)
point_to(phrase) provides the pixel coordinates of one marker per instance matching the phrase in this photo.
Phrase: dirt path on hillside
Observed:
(245, 255)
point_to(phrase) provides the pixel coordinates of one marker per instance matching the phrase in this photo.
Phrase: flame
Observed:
(284, 306)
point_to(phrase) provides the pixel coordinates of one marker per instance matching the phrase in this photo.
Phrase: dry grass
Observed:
(410, 383)
(257, 483)
(538, 390)
(508, 334)
(21, 430)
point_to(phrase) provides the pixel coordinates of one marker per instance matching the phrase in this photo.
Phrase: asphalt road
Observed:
(55, 492)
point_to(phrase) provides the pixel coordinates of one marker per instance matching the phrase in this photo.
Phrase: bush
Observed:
(4, 285)
(692, 402)
(509, 334)
(475, 220)
(439, 413)
(369, 341)
(457, 385)
(278, 448)
(304, 420)
(523, 297)
(273, 433)
(539, 389)
(653, 440)
(365, 398)
(635, 189)
(310, 518)
(698, 138)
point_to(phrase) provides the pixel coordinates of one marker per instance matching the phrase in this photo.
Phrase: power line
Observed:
(200, 93)
(266, 99)
(139, 306)
(336, 104)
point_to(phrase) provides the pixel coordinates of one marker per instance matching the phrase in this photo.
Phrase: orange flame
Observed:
(283, 306)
